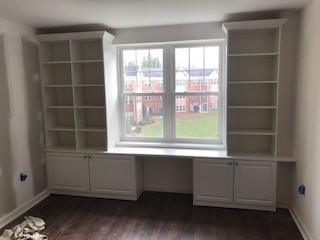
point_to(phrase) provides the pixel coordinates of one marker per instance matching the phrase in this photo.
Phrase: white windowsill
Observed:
(166, 151)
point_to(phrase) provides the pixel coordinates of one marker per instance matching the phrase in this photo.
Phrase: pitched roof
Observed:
(131, 71)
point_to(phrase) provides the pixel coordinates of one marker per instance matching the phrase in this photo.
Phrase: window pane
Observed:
(182, 59)
(143, 116)
(197, 117)
(143, 71)
(196, 69)
(196, 58)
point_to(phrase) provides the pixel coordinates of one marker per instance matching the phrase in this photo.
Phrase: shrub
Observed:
(196, 108)
(143, 123)
(138, 129)
(128, 127)
(147, 118)
(133, 123)
(152, 121)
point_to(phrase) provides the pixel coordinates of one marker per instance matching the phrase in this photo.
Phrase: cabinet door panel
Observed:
(255, 183)
(113, 175)
(213, 180)
(68, 172)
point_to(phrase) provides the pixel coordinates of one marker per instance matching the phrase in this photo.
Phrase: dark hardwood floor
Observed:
(157, 216)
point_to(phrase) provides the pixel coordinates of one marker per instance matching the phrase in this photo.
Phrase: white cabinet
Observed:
(213, 180)
(113, 174)
(255, 183)
(68, 172)
(95, 175)
(235, 183)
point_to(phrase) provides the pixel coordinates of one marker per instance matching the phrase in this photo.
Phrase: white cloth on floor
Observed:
(27, 230)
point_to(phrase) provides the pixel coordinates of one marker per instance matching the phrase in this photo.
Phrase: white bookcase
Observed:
(253, 55)
(73, 86)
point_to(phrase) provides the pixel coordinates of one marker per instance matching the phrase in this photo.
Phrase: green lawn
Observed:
(201, 125)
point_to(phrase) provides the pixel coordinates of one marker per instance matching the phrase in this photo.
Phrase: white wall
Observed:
(166, 174)
(307, 117)
(21, 138)
(184, 32)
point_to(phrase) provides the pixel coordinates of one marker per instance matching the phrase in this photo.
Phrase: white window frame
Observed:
(169, 95)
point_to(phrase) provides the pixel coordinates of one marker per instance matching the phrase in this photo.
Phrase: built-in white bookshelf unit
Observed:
(253, 56)
(73, 87)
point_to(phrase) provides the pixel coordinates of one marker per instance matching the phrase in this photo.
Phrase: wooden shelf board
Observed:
(62, 148)
(57, 85)
(61, 128)
(88, 61)
(252, 82)
(253, 54)
(92, 129)
(89, 85)
(93, 107)
(56, 62)
(252, 155)
(59, 107)
(93, 148)
(262, 132)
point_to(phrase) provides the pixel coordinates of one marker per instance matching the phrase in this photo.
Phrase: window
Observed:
(147, 83)
(128, 99)
(181, 108)
(175, 99)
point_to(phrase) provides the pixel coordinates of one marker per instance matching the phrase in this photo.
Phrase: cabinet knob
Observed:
(230, 163)
(84, 156)
(236, 164)
(90, 156)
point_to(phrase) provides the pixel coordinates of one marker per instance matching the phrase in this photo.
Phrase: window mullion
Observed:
(168, 100)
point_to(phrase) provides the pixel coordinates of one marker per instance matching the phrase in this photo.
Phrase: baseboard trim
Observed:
(282, 204)
(95, 195)
(23, 208)
(301, 226)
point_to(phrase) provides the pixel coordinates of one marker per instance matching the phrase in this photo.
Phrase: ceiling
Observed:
(133, 13)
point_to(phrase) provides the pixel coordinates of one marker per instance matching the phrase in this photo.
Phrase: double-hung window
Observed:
(172, 109)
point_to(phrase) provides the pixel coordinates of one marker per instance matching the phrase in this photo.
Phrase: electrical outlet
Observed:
(302, 189)
(23, 177)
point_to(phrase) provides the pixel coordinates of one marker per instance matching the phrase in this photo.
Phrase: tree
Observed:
(152, 62)
(130, 63)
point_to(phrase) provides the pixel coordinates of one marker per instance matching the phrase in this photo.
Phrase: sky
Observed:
(195, 57)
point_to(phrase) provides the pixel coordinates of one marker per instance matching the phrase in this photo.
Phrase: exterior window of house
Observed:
(128, 99)
(175, 99)
(128, 84)
(147, 83)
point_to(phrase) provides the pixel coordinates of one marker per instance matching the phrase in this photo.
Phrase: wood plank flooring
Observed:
(157, 216)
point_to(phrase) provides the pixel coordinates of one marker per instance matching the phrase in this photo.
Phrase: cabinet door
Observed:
(213, 180)
(113, 174)
(68, 172)
(255, 183)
